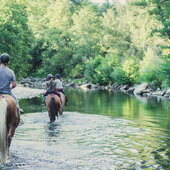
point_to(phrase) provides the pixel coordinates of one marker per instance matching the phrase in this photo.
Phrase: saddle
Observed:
(2, 95)
(54, 92)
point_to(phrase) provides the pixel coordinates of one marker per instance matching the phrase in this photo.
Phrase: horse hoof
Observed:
(5, 161)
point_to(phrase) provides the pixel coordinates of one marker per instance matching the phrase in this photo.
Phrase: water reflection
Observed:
(53, 130)
(99, 130)
(106, 103)
(32, 105)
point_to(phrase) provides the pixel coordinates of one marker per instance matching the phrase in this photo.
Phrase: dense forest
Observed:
(103, 44)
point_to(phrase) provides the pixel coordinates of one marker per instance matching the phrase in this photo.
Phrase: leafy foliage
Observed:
(15, 35)
(104, 44)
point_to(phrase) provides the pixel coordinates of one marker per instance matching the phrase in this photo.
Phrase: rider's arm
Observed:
(13, 80)
(56, 84)
(47, 85)
(14, 84)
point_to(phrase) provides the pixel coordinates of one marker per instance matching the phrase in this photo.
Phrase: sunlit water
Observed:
(98, 130)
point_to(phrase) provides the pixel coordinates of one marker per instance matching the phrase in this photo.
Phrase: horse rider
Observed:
(50, 86)
(7, 78)
(59, 86)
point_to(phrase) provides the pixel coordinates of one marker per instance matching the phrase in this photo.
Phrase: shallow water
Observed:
(98, 130)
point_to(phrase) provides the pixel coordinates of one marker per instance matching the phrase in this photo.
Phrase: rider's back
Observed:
(59, 84)
(6, 76)
(50, 85)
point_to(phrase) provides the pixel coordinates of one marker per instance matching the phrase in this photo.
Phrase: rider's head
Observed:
(57, 76)
(49, 76)
(4, 58)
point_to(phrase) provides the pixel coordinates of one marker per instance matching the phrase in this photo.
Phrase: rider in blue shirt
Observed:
(7, 78)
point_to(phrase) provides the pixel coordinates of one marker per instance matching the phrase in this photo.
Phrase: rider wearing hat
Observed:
(7, 78)
(50, 86)
(59, 85)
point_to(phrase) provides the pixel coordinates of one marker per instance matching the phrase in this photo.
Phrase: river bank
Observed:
(22, 92)
(29, 85)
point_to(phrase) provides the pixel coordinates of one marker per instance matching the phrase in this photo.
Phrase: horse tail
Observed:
(52, 110)
(3, 112)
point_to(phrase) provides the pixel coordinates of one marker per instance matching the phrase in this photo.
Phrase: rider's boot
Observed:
(20, 111)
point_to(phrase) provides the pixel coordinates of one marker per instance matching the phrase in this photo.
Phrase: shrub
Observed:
(99, 70)
(130, 69)
(150, 68)
(165, 73)
(119, 76)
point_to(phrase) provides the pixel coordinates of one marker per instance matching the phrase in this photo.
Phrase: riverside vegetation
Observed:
(102, 44)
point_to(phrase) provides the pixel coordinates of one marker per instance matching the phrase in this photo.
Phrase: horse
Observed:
(55, 105)
(63, 100)
(9, 120)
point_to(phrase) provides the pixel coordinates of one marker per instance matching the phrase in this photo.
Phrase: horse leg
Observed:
(61, 110)
(3, 155)
(66, 100)
(9, 139)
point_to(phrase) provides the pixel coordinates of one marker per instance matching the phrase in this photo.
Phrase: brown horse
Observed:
(53, 104)
(9, 120)
(63, 100)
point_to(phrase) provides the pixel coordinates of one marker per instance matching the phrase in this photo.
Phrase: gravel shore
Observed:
(26, 92)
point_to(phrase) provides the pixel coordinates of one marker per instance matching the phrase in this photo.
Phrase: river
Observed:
(98, 130)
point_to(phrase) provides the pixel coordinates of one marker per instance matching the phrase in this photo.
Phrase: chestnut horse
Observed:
(9, 120)
(54, 105)
(63, 99)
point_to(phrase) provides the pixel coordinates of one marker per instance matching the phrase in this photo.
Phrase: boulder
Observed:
(124, 87)
(158, 93)
(167, 94)
(139, 90)
(131, 90)
(115, 86)
(86, 86)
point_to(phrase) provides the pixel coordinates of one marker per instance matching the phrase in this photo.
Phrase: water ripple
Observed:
(85, 141)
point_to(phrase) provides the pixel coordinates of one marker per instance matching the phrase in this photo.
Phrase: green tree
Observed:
(55, 53)
(85, 36)
(51, 50)
(15, 35)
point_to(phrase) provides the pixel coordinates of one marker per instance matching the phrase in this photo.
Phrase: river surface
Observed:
(99, 130)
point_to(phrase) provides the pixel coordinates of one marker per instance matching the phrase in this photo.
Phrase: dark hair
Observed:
(5, 58)
(57, 76)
